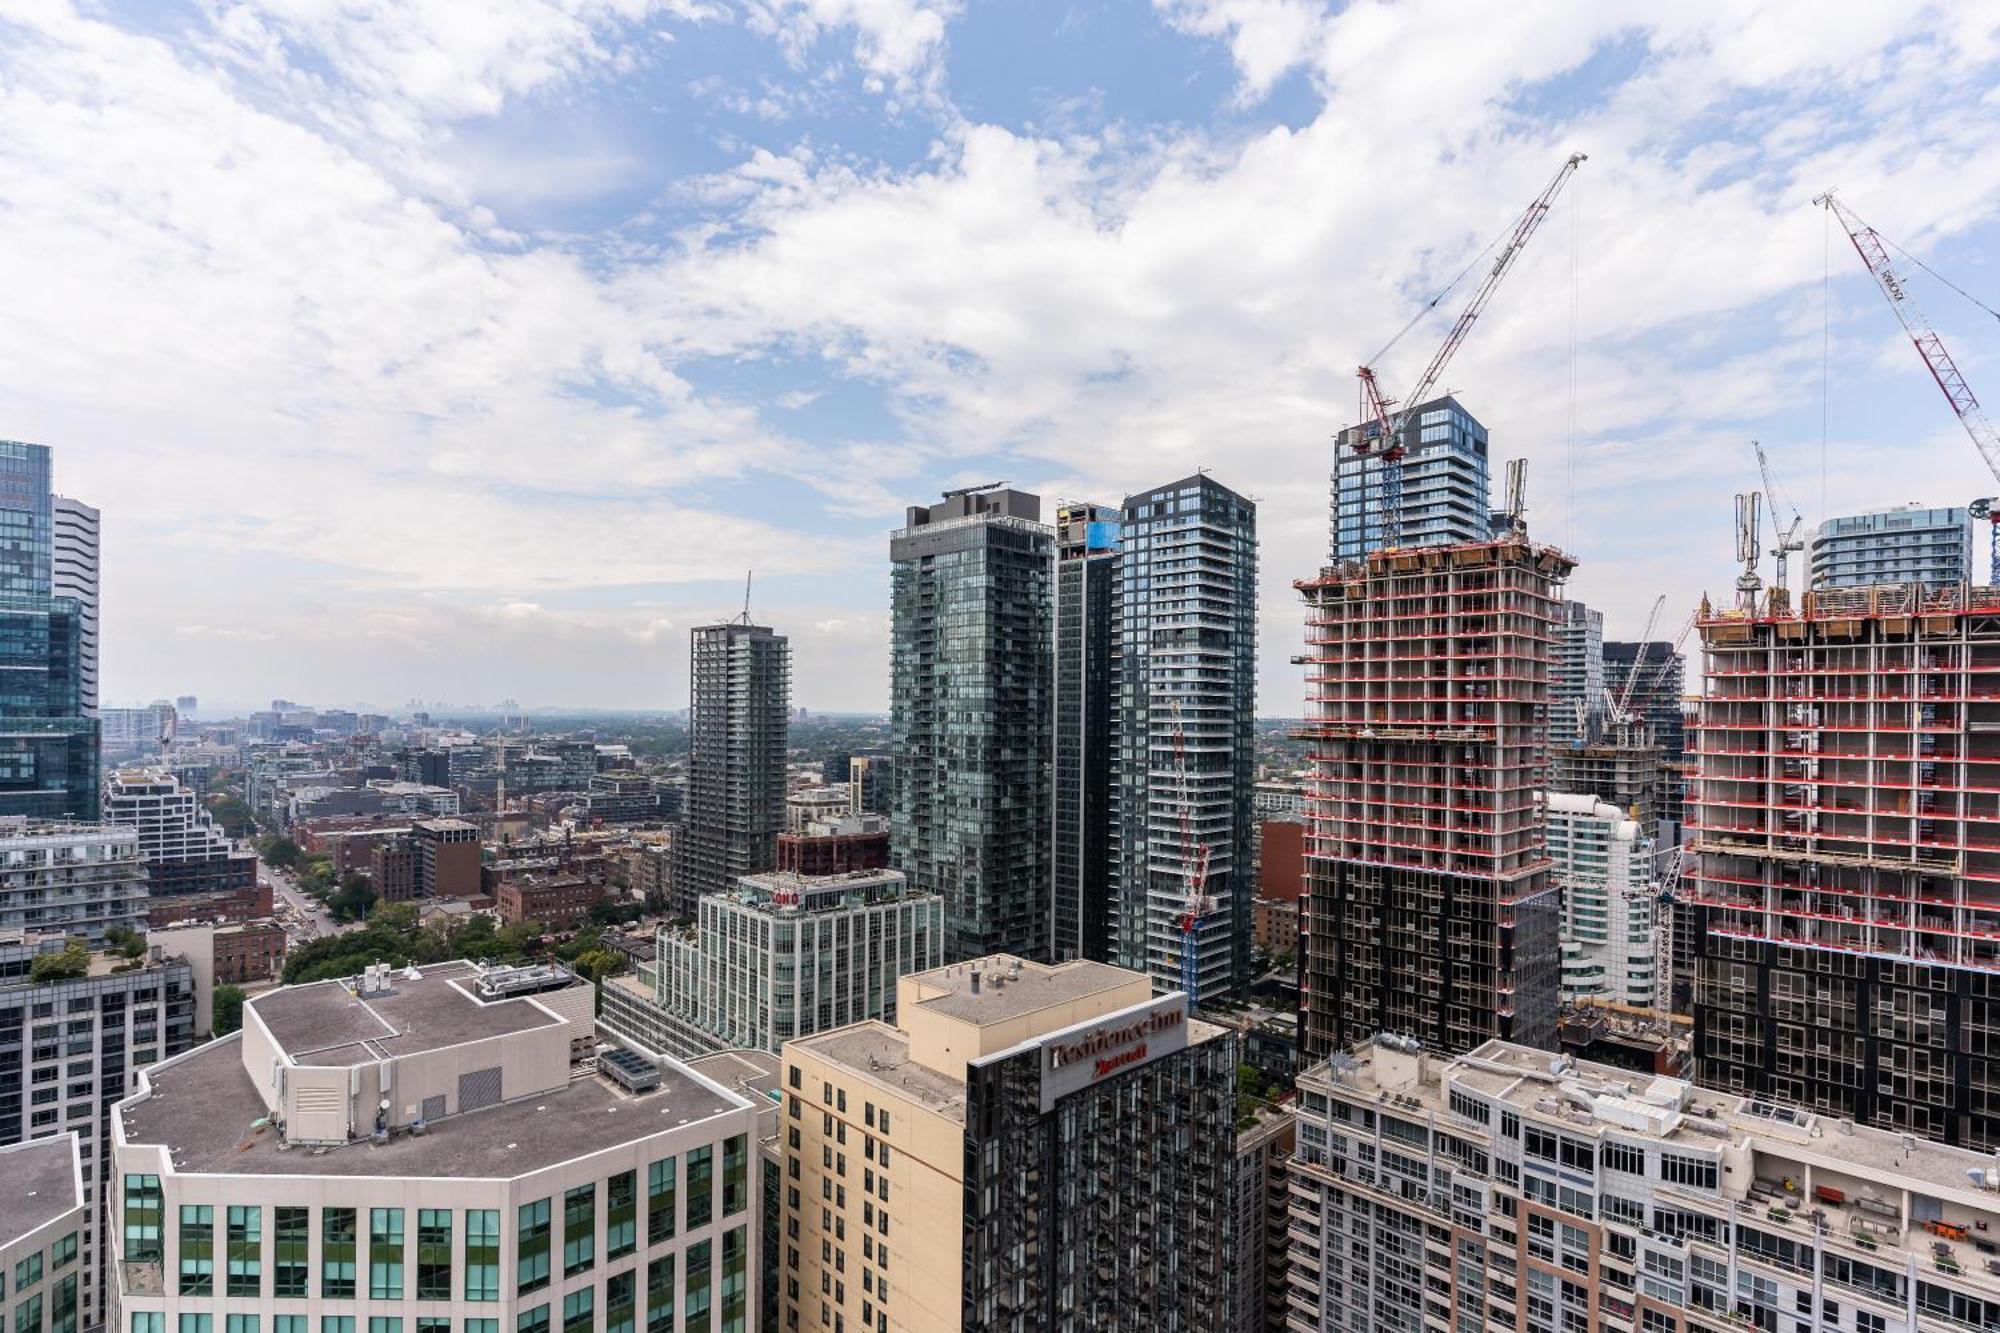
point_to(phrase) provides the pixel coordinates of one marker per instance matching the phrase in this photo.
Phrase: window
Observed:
(385, 1255)
(148, 1321)
(189, 1323)
(701, 1173)
(531, 1268)
(619, 1301)
(336, 1256)
(660, 1201)
(735, 1174)
(533, 1321)
(291, 1252)
(1579, 1155)
(579, 1311)
(1470, 1107)
(482, 1326)
(64, 1250)
(336, 1323)
(660, 1295)
(288, 1323)
(1678, 1170)
(482, 1254)
(579, 1230)
(144, 1217)
(621, 1211)
(245, 1239)
(735, 1248)
(1626, 1157)
(197, 1252)
(378, 1323)
(1541, 1145)
(433, 1324)
(696, 1317)
(240, 1323)
(433, 1254)
(28, 1272)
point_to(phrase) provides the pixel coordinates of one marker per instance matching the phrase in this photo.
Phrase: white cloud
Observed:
(1267, 38)
(898, 42)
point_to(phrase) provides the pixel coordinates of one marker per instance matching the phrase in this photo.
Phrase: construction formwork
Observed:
(1631, 777)
(1429, 907)
(1843, 913)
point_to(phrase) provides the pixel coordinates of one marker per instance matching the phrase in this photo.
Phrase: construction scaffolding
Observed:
(1842, 917)
(1430, 909)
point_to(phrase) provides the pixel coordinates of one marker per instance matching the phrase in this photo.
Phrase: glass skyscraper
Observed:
(1086, 592)
(971, 695)
(27, 522)
(1186, 637)
(48, 744)
(1444, 482)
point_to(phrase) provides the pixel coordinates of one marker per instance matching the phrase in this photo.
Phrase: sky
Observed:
(463, 351)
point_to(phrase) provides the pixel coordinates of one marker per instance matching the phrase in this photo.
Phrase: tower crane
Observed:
(1383, 428)
(1196, 903)
(1873, 248)
(1620, 714)
(1788, 540)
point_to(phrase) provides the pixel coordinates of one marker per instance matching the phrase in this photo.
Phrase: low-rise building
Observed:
(556, 901)
(246, 904)
(836, 845)
(249, 951)
(425, 1145)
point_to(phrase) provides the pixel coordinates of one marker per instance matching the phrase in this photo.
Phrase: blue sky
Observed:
(419, 350)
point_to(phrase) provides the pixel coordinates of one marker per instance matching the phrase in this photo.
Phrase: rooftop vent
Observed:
(632, 1072)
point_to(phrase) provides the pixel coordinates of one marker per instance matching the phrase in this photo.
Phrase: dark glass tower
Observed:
(971, 712)
(48, 743)
(1086, 586)
(1186, 637)
(739, 714)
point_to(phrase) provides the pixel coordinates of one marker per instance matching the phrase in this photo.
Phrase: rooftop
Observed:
(1009, 987)
(40, 1181)
(327, 1023)
(204, 1110)
(880, 1052)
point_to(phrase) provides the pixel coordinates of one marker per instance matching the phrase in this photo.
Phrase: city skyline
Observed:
(482, 362)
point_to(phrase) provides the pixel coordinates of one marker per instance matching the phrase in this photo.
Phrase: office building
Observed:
(184, 851)
(41, 1241)
(836, 846)
(1430, 910)
(69, 1048)
(553, 900)
(782, 956)
(810, 805)
(1506, 1190)
(1444, 482)
(1576, 687)
(396, 1150)
(48, 746)
(447, 856)
(1910, 543)
(1086, 592)
(1029, 1147)
(971, 709)
(1602, 863)
(1185, 681)
(1844, 910)
(71, 879)
(871, 784)
(738, 723)
(139, 733)
(73, 572)
(27, 520)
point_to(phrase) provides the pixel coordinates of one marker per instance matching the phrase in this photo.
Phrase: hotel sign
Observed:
(1079, 1056)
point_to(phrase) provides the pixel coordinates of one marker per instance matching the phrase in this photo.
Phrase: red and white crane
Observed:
(1197, 904)
(1383, 428)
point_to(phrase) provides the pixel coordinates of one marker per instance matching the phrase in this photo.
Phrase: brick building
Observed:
(249, 951)
(558, 902)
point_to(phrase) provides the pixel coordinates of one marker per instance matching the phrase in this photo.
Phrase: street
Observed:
(301, 916)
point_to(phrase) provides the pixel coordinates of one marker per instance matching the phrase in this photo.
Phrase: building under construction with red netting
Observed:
(1429, 906)
(1844, 909)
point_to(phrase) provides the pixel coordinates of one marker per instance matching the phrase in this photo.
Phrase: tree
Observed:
(125, 942)
(355, 899)
(228, 1010)
(279, 851)
(66, 964)
(233, 814)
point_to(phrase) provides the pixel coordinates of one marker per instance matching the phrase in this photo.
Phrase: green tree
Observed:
(233, 814)
(67, 964)
(228, 1010)
(278, 850)
(125, 943)
(355, 899)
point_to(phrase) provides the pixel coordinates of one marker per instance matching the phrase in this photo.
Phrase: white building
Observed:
(1576, 678)
(1604, 866)
(784, 956)
(70, 879)
(73, 572)
(422, 1152)
(41, 1238)
(173, 823)
(132, 732)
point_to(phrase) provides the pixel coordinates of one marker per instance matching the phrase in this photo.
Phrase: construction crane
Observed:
(1620, 714)
(1874, 251)
(1748, 585)
(1196, 904)
(1787, 541)
(1517, 496)
(1380, 427)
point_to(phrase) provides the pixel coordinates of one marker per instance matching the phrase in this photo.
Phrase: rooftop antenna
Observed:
(1747, 583)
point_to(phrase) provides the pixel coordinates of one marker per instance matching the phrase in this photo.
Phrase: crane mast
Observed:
(1378, 422)
(1196, 904)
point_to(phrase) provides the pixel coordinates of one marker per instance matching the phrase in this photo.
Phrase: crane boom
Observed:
(1375, 406)
(1874, 254)
(1622, 705)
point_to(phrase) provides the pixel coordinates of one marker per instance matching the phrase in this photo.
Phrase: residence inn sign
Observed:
(1079, 1056)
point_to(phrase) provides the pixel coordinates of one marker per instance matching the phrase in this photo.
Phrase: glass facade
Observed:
(1086, 588)
(26, 519)
(737, 731)
(1444, 483)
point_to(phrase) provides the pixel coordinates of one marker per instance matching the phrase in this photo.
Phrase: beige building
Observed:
(41, 1239)
(1098, 1119)
(432, 1150)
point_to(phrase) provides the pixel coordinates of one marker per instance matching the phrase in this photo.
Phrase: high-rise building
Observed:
(1185, 661)
(871, 784)
(782, 956)
(48, 738)
(1603, 867)
(41, 1241)
(69, 1047)
(1430, 910)
(184, 851)
(1629, 776)
(27, 520)
(71, 879)
(1030, 1147)
(1086, 589)
(1844, 909)
(1262, 1222)
(1910, 543)
(971, 713)
(1507, 1190)
(740, 682)
(1576, 688)
(73, 573)
(427, 1144)
(447, 858)
(1444, 482)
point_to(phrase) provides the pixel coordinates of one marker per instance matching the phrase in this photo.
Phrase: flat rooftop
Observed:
(1001, 996)
(325, 1023)
(39, 1181)
(879, 1052)
(202, 1108)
